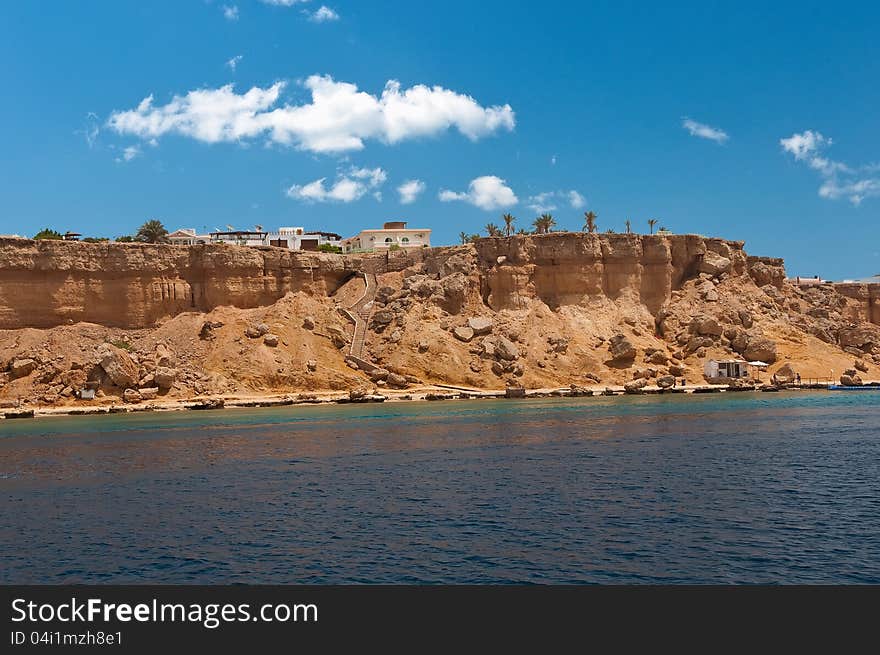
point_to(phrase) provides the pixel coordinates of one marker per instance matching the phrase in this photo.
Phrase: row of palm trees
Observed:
(545, 223)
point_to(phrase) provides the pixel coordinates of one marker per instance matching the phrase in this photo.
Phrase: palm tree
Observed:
(492, 230)
(651, 223)
(610, 230)
(152, 232)
(628, 227)
(508, 223)
(464, 237)
(590, 224)
(544, 223)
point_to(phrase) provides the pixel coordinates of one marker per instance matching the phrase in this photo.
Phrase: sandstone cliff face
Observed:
(46, 283)
(539, 311)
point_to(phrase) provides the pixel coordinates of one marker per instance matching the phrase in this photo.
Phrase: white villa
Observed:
(393, 233)
(187, 237)
(292, 238)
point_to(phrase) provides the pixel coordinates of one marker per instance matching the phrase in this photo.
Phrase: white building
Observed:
(187, 237)
(292, 238)
(296, 238)
(393, 234)
(730, 369)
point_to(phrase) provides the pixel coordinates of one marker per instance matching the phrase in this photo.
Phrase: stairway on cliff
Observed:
(360, 311)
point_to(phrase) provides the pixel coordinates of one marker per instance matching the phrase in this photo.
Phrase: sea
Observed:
(775, 488)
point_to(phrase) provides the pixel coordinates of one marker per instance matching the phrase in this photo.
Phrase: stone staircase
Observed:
(360, 313)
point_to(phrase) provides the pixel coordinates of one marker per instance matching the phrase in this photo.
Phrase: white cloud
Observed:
(838, 179)
(230, 13)
(410, 190)
(704, 131)
(553, 160)
(322, 15)
(347, 187)
(548, 201)
(339, 117)
(487, 192)
(232, 64)
(91, 129)
(129, 153)
(576, 200)
(283, 3)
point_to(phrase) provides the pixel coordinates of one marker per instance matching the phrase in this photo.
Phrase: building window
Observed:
(388, 239)
(405, 240)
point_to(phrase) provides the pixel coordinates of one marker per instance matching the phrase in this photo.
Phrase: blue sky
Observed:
(537, 100)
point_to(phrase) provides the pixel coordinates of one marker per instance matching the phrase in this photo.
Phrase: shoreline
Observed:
(427, 393)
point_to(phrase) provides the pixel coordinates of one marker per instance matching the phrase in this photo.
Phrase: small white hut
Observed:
(726, 369)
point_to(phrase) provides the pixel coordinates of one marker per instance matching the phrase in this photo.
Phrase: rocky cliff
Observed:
(539, 311)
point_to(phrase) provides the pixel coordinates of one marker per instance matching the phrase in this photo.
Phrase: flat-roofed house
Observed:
(393, 234)
(187, 237)
(296, 238)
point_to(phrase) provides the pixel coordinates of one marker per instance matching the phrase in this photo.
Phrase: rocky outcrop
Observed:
(118, 365)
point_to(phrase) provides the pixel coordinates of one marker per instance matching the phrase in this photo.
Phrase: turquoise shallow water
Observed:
(778, 488)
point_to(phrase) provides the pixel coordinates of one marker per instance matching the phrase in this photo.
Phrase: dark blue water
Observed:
(763, 488)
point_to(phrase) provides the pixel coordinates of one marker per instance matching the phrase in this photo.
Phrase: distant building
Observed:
(730, 369)
(393, 233)
(240, 237)
(296, 238)
(187, 237)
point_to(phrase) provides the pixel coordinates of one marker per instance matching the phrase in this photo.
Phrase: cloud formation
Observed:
(549, 201)
(232, 64)
(347, 187)
(322, 15)
(487, 192)
(230, 13)
(839, 180)
(410, 190)
(339, 117)
(705, 131)
(283, 3)
(129, 153)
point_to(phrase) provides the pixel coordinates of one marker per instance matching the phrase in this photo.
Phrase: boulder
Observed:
(312, 365)
(760, 348)
(658, 357)
(383, 317)
(271, 340)
(150, 393)
(378, 374)
(22, 367)
(621, 348)
(861, 366)
(714, 264)
(164, 356)
(395, 380)
(463, 333)
(863, 337)
(131, 396)
(308, 322)
(665, 381)
(164, 377)
(337, 336)
(635, 386)
(118, 365)
(785, 373)
(506, 349)
(481, 325)
(706, 326)
(745, 318)
(848, 380)
(497, 368)
(423, 346)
